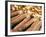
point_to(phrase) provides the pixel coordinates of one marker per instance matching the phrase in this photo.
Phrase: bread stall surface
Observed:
(25, 18)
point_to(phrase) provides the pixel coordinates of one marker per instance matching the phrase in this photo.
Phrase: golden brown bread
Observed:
(35, 26)
(22, 16)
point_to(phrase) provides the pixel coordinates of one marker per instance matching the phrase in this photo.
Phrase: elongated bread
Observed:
(35, 26)
(20, 18)
(19, 26)
(22, 26)
(14, 14)
(15, 17)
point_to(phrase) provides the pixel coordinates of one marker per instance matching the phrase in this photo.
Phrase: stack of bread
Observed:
(25, 18)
